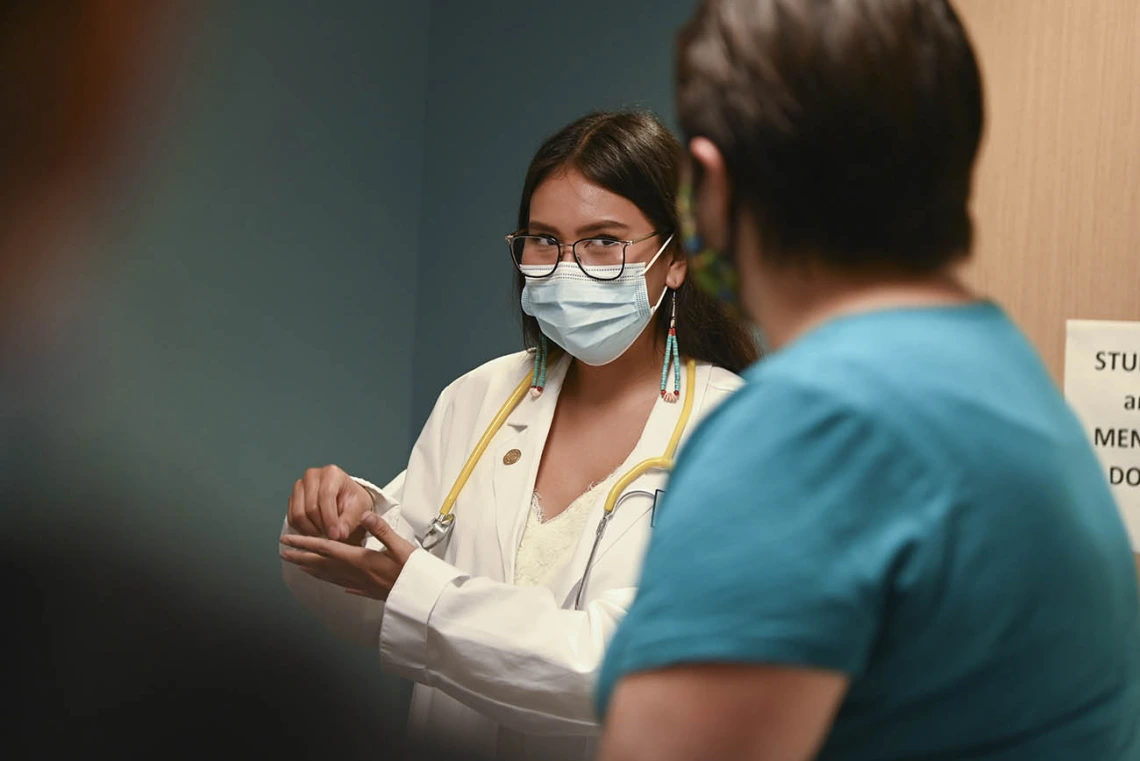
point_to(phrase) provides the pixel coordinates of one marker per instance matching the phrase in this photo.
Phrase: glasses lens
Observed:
(535, 255)
(601, 258)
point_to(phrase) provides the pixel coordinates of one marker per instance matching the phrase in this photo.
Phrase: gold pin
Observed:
(511, 457)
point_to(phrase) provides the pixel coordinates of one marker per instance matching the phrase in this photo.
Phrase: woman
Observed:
(503, 621)
(925, 559)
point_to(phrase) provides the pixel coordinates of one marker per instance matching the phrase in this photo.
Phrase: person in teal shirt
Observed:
(895, 541)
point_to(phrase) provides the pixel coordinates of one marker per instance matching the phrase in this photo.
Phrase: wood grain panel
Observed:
(1057, 195)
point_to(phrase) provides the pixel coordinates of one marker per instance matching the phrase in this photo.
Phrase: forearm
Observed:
(537, 660)
(721, 712)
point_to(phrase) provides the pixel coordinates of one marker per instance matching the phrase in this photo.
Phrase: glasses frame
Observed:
(574, 253)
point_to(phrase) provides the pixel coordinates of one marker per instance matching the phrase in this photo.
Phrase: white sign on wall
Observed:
(1102, 384)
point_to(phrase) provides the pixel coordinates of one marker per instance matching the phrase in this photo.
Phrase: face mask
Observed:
(594, 320)
(711, 270)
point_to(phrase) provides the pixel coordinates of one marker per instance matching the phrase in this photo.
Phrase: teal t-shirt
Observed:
(904, 497)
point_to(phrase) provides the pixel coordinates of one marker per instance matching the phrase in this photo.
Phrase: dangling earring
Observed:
(672, 355)
(538, 380)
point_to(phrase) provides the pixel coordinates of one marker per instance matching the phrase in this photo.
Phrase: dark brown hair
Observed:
(849, 127)
(632, 154)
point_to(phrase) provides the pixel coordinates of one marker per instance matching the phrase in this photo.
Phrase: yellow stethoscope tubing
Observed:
(493, 427)
(665, 461)
(441, 525)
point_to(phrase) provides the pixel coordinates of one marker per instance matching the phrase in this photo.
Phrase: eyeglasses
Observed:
(537, 256)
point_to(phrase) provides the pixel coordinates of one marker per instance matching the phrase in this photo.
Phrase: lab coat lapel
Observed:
(516, 454)
(658, 428)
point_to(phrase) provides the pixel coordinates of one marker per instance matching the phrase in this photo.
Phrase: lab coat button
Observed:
(511, 457)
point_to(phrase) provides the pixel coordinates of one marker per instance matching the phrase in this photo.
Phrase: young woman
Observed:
(500, 601)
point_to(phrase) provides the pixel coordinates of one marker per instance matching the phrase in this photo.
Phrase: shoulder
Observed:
(722, 380)
(717, 385)
(496, 377)
(793, 433)
(768, 404)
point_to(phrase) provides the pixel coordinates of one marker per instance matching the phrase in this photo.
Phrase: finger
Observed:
(300, 557)
(327, 495)
(296, 515)
(354, 500)
(398, 546)
(317, 545)
(312, 482)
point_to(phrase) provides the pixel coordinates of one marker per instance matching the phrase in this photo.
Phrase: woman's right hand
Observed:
(327, 502)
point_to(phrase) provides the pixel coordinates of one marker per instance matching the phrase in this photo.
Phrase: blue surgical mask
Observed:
(595, 321)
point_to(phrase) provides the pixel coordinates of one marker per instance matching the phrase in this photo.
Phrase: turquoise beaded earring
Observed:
(538, 380)
(672, 355)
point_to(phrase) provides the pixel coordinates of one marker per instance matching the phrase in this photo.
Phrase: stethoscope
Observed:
(444, 522)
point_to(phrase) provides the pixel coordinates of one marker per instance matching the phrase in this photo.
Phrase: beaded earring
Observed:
(538, 381)
(672, 355)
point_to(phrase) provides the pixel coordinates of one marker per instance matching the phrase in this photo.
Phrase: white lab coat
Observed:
(501, 669)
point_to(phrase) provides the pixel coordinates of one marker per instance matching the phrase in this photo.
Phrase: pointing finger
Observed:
(400, 547)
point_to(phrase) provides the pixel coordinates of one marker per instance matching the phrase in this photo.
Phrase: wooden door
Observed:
(1057, 196)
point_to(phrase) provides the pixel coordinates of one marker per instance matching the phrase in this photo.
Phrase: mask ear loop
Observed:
(653, 261)
(656, 256)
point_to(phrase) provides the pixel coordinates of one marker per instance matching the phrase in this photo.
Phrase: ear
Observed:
(712, 194)
(678, 266)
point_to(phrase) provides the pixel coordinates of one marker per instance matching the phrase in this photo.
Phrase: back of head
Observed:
(849, 127)
(632, 154)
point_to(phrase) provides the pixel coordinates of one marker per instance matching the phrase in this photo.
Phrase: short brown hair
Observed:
(849, 127)
(632, 154)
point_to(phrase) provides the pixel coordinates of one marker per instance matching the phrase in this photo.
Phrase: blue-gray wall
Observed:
(259, 317)
(261, 320)
(501, 78)
(313, 248)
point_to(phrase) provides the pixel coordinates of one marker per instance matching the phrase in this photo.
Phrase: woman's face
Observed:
(568, 207)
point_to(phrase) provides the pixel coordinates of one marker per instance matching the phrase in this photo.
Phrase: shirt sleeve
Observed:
(789, 516)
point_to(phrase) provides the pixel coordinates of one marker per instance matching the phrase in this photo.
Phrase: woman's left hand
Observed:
(361, 571)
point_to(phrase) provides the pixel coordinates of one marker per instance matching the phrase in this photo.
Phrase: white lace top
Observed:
(547, 546)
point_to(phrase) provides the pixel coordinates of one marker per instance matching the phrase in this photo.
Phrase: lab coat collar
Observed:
(540, 410)
(513, 488)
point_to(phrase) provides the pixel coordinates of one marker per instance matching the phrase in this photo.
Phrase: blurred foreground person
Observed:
(895, 542)
(112, 653)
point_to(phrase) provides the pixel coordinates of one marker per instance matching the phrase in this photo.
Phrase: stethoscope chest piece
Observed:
(439, 530)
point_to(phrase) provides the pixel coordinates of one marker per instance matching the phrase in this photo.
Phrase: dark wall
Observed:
(499, 82)
(257, 316)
